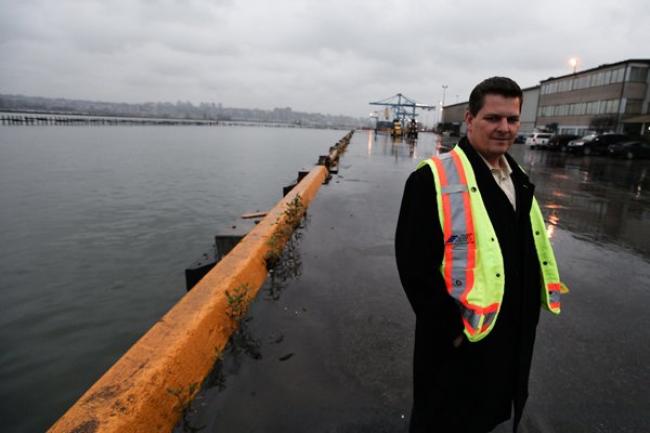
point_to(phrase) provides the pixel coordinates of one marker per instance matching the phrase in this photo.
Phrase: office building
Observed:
(611, 97)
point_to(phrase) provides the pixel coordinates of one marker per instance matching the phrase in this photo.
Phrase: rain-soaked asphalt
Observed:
(327, 345)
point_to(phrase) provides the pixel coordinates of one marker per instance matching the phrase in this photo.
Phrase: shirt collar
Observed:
(503, 169)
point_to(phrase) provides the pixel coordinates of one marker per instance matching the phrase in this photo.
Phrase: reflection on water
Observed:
(598, 198)
(371, 139)
(398, 147)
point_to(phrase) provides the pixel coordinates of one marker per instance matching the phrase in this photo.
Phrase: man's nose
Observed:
(503, 124)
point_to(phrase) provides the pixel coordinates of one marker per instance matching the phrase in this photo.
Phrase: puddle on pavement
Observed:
(598, 199)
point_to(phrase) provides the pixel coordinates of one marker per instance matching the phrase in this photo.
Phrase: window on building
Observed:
(608, 77)
(618, 75)
(577, 109)
(565, 85)
(579, 84)
(602, 108)
(638, 73)
(598, 79)
(609, 106)
(633, 106)
(592, 107)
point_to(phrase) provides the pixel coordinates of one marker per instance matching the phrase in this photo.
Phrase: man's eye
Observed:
(492, 118)
(513, 119)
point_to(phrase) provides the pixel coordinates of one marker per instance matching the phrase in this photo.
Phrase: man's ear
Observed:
(468, 120)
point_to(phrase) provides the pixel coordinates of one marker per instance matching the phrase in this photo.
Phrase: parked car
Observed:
(630, 149)
(560, 141)
(538, 139)
(520, 139)
(593, 144)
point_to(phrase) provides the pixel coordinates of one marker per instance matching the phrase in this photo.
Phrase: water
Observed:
(97, 225)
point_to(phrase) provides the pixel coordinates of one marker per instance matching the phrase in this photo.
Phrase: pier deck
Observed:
(330, 348)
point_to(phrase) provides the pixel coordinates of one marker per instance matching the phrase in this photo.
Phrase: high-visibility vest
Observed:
(472, 264)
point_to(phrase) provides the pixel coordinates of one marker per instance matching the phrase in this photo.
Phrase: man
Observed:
(476, 265)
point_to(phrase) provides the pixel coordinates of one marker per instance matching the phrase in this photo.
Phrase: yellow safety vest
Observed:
(472, 264)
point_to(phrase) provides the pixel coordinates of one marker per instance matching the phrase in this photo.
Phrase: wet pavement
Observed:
(327, 346)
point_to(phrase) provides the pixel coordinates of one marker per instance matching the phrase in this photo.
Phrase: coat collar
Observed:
(524, 189)
(478, 163)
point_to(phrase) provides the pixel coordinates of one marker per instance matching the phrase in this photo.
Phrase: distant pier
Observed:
(38, 119)
(51, 119)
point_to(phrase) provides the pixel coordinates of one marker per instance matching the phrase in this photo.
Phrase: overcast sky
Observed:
(331, 56)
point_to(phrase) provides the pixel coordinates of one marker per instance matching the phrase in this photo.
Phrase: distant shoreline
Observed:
(165, 112)
(63, 118)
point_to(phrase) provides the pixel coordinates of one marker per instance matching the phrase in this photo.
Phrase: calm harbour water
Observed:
(97, 225)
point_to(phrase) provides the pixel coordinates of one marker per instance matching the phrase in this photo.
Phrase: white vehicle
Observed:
(538, 139)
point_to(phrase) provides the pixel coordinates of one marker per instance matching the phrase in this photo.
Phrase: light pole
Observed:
(574, 63)
(442, 103)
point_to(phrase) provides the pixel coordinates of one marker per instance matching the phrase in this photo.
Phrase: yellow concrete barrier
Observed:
(146, 390)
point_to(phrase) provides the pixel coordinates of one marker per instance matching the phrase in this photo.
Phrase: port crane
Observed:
(403, 107)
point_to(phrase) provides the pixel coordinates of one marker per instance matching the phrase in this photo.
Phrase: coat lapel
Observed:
(524, 189)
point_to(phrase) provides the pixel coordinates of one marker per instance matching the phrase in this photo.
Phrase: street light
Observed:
(574, 63)
(442, 103)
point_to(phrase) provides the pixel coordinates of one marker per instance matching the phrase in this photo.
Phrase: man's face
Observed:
(494, 128)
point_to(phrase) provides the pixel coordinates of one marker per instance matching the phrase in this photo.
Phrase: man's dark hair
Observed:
(494, 86)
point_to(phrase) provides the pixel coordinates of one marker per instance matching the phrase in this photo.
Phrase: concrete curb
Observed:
(147, 389)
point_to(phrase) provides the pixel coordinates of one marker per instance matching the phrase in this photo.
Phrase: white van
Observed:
(538, 139)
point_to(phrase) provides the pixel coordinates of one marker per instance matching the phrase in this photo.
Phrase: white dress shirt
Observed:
(501, 174)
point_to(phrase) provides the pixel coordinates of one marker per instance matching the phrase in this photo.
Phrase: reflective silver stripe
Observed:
(554, 296)
(459, 230)
(472, 317)
(489, 318)
(451, 189)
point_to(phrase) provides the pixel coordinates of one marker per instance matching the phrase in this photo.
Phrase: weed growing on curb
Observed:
(293, 213)
(237, 303)
(184, 397)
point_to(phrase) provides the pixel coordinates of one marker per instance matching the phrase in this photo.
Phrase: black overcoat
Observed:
(474, 387)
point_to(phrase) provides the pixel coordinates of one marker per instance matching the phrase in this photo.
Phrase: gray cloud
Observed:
(332, 56)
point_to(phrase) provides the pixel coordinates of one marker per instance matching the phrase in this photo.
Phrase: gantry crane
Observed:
(403, 107)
